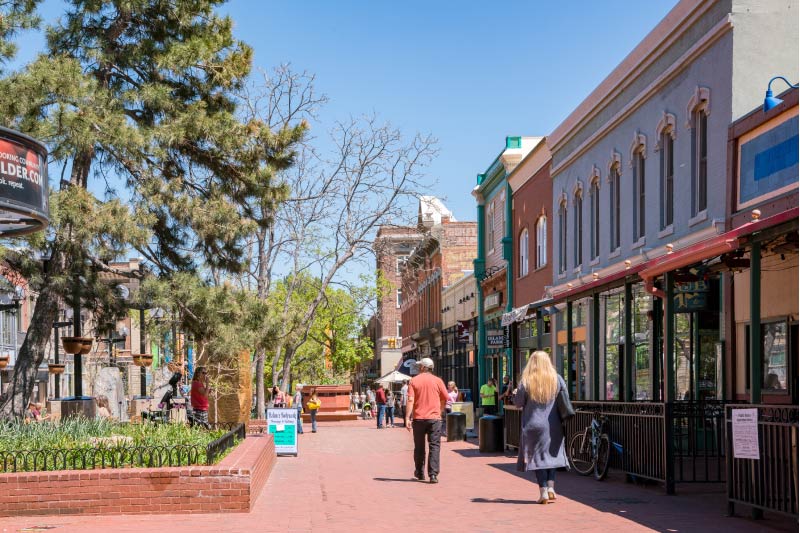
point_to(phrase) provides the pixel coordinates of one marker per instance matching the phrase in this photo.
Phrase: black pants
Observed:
(433, 430)
(490, 409)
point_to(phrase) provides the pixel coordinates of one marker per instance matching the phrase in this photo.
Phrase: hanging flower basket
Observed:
(55, 368)
(3, 361)
(142, 359)
(86, 345)
(72, 345)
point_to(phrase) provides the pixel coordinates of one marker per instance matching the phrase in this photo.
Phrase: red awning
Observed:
(721, 244)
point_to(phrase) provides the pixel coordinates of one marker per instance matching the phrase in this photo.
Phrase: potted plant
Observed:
(55, 368)
(86, 345)
(3, 361)
(142, 359)
(72, 345)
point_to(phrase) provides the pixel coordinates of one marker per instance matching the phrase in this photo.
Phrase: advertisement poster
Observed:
(282, 425)
(22, 175)
(744, 425)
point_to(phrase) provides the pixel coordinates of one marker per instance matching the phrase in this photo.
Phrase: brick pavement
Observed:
(351, 477)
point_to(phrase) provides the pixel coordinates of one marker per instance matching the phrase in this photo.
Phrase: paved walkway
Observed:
(351, 477)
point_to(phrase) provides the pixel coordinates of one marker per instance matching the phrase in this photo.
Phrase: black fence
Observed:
(769, 482)
(228, 440)
(698, 431)
(118, 456)
(513, 425)
(636, 430)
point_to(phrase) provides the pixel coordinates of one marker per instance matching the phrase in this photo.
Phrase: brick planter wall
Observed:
(233, 485)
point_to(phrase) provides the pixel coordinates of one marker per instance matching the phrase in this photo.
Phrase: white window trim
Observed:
(541, 241)
(666, 232)
(524, 253)
(490, 222)
(702, 216)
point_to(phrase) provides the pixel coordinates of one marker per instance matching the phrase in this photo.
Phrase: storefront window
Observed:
(613, 307)
(775, 353)
(642, 308)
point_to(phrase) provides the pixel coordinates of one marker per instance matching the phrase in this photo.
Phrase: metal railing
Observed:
(770, 482)
(513, 425)
(698, 436)
(638, 427)
(228, 440)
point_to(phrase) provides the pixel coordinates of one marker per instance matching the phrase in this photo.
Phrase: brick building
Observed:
(442, 258)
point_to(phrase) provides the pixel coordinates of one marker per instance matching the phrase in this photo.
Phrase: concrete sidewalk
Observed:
(350, 476)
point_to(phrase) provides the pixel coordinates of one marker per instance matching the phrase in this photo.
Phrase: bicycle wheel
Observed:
(579, 454)
(603, 456)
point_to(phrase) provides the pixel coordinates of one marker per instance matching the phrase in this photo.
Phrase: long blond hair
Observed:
(540, 378)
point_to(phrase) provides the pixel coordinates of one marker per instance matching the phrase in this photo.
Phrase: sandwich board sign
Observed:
(282, 425)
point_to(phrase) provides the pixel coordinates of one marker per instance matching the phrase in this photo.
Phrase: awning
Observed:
(515, 315)
(709, 248)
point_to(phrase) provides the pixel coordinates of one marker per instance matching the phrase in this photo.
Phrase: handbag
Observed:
(564, 405)
(312, 405)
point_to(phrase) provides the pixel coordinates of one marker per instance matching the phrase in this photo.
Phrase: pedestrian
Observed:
(198, 396)
(380, 400)
(278, 398)
(403, 399)
(371, 399)
(356, 402)
(488, 397)
(426, 398)
(363, 399)
(314, 403)
(352, 403)
(541, 446)
(390, 399)
(298, 403)
(452, 396)
(505, 391)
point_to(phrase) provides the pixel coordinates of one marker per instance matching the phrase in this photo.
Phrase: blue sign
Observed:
(768, 162)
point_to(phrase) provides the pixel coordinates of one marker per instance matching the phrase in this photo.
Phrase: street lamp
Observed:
(771, 101)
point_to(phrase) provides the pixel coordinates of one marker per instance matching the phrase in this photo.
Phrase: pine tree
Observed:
(138, 93)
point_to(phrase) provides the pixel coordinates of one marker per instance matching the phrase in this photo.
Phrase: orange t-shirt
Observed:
(428, 393)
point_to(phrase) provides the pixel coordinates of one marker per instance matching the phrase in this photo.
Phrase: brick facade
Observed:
(231, 486)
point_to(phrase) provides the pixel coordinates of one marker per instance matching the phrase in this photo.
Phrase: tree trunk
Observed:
(18, 394)
(287, 361)
(260, 404)
(275, 358)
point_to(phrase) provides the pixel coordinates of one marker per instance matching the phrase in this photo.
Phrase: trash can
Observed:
(456, 426)
(490, 434)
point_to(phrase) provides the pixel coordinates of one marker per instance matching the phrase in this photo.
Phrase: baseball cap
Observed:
(426, 362)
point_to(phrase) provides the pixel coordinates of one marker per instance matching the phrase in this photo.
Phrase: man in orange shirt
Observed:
(426, 399)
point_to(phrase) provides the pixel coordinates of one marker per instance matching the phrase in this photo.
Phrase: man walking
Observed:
(426, 399)
(380, 399)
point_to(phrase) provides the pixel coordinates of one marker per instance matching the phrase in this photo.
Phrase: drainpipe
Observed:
(508, 255)
(479, 265)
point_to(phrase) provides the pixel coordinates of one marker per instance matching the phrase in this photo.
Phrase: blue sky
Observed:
(470, 73)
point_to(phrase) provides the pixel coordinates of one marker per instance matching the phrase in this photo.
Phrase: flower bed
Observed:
(80, 444)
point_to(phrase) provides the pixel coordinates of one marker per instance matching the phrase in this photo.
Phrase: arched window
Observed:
(666, 146)
(614, 197)
(594, 226)
(541, 242)
(578, 229)
(523, 253)
(562, 237)
(639, 199)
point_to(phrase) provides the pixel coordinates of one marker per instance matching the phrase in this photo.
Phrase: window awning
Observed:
(709, 248)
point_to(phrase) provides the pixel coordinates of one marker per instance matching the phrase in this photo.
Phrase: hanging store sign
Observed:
(691, 296)
(23, 184)
(463, 333)
(495, 338)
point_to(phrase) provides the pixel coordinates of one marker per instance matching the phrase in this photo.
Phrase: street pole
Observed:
(143, 369)
(76, 331)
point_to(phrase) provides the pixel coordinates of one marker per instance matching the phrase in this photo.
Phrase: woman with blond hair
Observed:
(541, 446)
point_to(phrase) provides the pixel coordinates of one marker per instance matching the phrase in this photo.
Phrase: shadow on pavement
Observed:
(402, 480)
(504, 500)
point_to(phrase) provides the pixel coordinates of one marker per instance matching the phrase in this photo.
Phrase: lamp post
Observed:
(57, 377)
(771, 101)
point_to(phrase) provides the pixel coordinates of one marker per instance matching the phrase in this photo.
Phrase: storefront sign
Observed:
(744, 425)
(282, 424)
(691, 296)
(23, 184)
(491, 300)
(495, 338)
(463, 332)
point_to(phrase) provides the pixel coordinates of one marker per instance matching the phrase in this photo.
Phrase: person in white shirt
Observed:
(404, 399)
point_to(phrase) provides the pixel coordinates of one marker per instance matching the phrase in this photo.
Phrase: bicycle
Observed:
(590, 450)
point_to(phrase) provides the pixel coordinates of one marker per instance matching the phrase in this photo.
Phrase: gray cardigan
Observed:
(542, 438)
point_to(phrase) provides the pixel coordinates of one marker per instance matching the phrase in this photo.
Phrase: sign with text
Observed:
(691, 296)
(744, 430)
(282, 425)
(495, 338)
(23, 184)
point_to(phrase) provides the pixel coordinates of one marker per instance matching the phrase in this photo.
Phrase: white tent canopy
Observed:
(393, 377)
